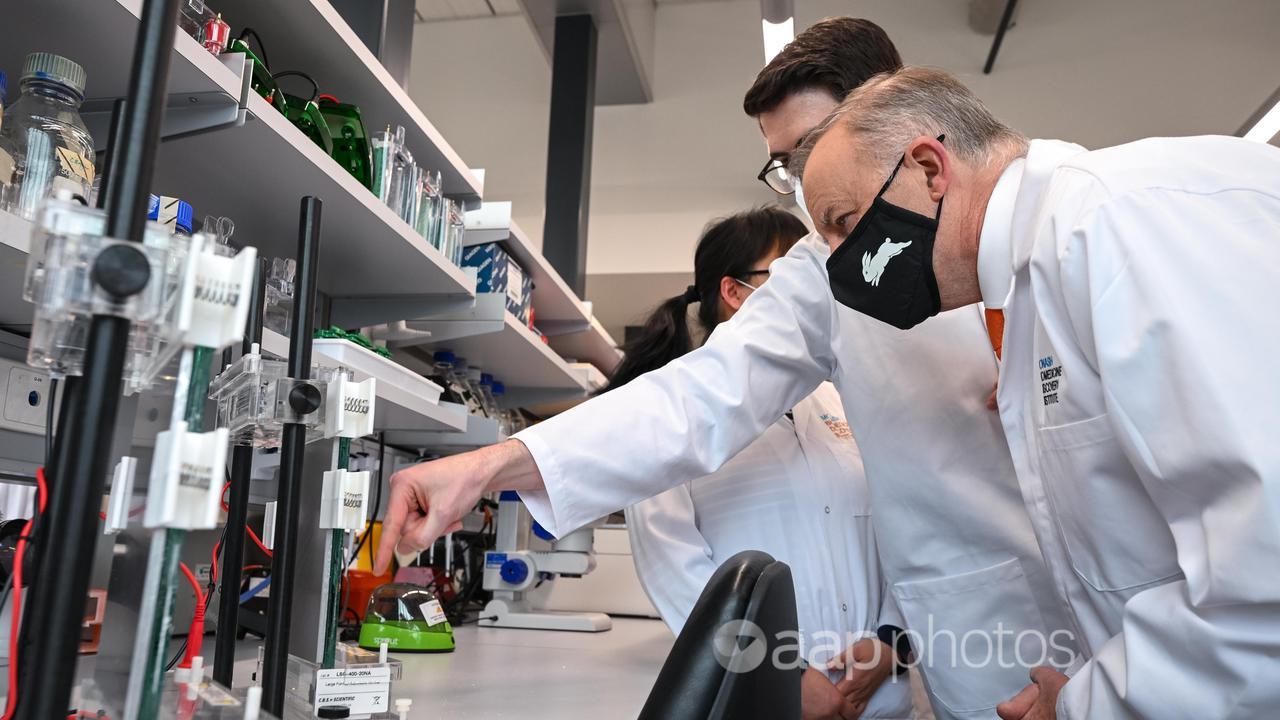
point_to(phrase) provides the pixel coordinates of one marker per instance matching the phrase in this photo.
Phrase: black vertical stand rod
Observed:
(237, 511)
(83, 450)
(115, 139)
(293, 445)
(1005, 19)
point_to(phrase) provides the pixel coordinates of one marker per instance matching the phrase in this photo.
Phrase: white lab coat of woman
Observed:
(798, 493)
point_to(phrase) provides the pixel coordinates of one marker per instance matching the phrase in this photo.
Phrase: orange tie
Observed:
(995, 329)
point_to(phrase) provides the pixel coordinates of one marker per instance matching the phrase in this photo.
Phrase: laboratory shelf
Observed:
(490, 337)
(558, 312)
(481, 432)
(530, 369)
(255, 174)
(405, 399)
(99, 36)
(595, 346)
(311, 36)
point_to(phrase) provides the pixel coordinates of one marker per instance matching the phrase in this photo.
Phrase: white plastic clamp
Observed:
(186, 479)
(344, 502)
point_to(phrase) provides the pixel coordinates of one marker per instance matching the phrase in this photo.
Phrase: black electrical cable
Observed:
(248, 32)
(48, 421)
(182, 649)
(377, 496)
(315, 86)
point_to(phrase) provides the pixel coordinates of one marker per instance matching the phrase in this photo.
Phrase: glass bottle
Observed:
(53, 148)
(473, 381)
(504, 416)
(443, 374)
(461, 371)
(486, 395)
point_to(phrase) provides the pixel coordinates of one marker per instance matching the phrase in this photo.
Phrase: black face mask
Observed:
(885, 266)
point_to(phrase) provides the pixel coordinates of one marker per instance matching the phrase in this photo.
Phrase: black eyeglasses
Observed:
(776, 176)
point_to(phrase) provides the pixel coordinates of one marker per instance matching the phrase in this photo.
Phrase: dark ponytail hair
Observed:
(728, 247)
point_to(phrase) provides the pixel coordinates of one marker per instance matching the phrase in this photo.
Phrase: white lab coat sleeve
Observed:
(1174, 293)
(673, 560)
(685, 420)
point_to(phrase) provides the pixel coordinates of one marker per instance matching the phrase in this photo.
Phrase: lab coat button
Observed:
(844, 607)
(827, 509)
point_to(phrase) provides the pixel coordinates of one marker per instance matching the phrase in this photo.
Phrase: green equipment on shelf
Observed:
(306, 116)
(408, 618)
(336, 333)
(350, 139)
(304, 113)
(261, 81)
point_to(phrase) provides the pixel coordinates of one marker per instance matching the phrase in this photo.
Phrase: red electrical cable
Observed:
(258, 541)
(195, 636)
(15, 624)
(252, 535)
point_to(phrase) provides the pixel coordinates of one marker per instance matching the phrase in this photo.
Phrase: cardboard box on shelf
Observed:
(497, 272)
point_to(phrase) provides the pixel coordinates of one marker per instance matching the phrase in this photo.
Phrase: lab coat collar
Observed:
(1004, 247)
(995, 245)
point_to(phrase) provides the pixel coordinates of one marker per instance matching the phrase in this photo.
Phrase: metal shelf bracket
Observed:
(185, 114)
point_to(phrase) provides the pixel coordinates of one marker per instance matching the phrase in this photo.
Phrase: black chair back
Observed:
(721, 666)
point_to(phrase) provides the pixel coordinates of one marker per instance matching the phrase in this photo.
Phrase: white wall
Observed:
(1099, 72)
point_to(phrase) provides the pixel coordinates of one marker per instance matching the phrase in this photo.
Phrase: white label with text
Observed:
(362, 690)
(432, 612)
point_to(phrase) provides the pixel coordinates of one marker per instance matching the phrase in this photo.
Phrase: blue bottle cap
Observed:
(499, 388)
(185, 216)
(444, 356)
(486, 379)
(4, 88)
(153, 207)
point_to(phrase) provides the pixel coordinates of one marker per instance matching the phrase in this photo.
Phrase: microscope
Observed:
(512, 569)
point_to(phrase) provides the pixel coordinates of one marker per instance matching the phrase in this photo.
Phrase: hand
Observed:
(867, 664)
(819, 699)
(431, 498)
(1037, 701)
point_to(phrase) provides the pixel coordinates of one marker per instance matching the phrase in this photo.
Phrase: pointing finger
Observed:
(397, 512)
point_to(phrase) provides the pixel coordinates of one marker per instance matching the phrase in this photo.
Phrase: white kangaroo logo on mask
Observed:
(873, 268)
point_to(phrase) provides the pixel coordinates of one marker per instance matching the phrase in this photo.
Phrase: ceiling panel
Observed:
(442, 10)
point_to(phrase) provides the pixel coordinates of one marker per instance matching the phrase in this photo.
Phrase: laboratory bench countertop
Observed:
(537, 674)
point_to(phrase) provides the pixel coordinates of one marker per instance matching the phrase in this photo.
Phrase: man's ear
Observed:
(731, 293)
(930, 155)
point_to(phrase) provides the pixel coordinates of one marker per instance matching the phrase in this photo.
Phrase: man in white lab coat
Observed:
(1138, 384)
(956, 544)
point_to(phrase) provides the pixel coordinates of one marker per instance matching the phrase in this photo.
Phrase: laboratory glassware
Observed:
(52, 146)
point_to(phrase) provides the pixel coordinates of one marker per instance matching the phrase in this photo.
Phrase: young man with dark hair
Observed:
(956, 545)
(808, 79)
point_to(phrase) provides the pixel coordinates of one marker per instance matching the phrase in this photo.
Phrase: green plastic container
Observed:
(306, 116)
(408, 618)
(261, 80)
(350, 139)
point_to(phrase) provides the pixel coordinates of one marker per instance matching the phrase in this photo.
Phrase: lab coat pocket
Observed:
(1115, 536)
(976, 635)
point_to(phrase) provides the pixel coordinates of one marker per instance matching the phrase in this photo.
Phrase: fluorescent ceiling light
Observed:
(1267, 127)
(776, 36)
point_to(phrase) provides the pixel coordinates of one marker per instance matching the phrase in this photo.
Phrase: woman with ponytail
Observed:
(798, 493)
